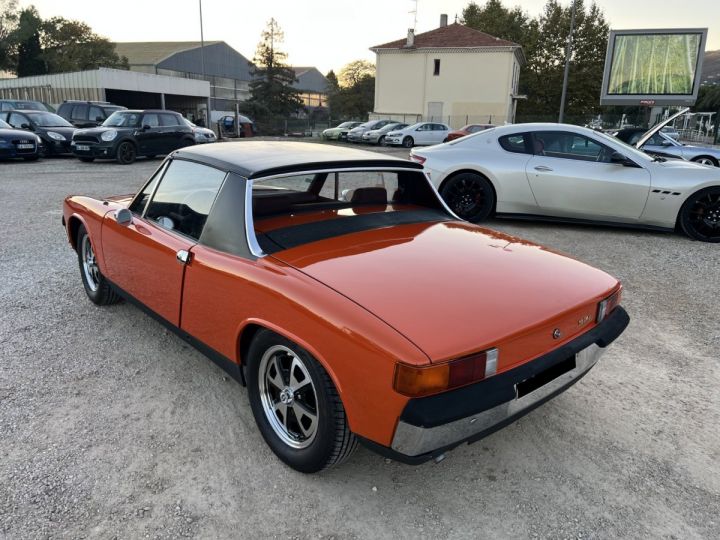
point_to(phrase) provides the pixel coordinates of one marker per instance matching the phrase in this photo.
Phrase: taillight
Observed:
(607, 305)
(418, 159)
(415, 381)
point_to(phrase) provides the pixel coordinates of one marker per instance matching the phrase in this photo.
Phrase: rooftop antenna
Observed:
(413, 12)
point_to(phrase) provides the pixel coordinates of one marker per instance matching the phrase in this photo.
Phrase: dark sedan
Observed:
(16, 143)
(55, 132)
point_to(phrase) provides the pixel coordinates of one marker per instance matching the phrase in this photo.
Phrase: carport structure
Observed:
(131, 89)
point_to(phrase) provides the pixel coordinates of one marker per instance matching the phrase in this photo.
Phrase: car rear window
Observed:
(297, 209)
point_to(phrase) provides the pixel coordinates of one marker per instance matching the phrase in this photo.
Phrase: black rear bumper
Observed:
(453, 406)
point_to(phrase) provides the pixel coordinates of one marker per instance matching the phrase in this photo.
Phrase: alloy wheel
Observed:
(288, 396)
(704, 214)
(90, 268)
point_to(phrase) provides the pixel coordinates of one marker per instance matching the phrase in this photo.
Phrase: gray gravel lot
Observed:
(110, 426)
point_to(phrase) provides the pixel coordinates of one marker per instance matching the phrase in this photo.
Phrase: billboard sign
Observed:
(653, 67)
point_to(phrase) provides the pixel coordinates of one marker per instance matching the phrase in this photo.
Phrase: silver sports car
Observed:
(572, 173)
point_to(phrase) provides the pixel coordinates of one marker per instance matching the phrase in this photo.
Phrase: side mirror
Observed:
(123, 216)
(146, 127)
(666, 143)
(25, 126)
(99, 119)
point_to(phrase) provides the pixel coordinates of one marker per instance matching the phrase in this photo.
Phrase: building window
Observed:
(436, 70)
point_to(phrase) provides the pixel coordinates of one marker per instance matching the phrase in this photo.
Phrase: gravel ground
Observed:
(112, 427)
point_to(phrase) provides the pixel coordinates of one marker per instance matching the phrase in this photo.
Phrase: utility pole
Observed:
(568, 52)
(202, 62)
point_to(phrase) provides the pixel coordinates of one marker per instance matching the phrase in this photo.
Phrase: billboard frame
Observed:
(652, 99)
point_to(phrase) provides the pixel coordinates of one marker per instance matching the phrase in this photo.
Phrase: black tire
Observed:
(469, 195)
(97, 288)
(381, 140)
(151, 156)
(87, 159)
(332, 441)
(408, 142)
(445, 140)
(700, 215)
(126, 153)
(706, 160)
(186, 142)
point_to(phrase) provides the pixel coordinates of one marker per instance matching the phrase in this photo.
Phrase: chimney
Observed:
(410, 38)
(443, 20)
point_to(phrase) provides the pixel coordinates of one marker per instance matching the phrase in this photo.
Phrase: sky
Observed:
(328, 34)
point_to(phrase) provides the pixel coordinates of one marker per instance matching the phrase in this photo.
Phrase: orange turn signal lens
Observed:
(416, 381)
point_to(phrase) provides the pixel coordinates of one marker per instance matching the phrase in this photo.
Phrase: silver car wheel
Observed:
(705, 161)
(288, 396)
(90, 268)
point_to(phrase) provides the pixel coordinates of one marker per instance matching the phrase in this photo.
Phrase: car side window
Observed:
(565, 145)
(169, 120)
(184, 197)
(518, 143)
(151, 120)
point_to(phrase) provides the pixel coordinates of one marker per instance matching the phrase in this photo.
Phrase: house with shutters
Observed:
(453, 74)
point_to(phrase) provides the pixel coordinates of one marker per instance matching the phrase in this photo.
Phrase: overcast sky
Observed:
(330, 33)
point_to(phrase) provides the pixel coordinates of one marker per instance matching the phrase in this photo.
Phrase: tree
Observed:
(8, 24)
(27, 39)
(271, 91)
(544, 40)
(354, 72)
(73, 46)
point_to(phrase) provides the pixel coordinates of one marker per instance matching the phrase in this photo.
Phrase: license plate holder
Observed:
(82, 147)
(25, 146)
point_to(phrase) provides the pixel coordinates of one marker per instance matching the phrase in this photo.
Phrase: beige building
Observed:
(453, 74)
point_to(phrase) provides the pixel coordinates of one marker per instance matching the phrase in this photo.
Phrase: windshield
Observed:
(123, 119)
(347, 124)
(626, 147)
(48, 120)
(29, 106)
(4, 125)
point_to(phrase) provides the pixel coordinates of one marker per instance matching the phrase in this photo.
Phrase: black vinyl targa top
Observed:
(297, 235)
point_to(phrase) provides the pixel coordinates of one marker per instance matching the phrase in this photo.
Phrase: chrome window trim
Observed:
(330, 170)
(252, 242)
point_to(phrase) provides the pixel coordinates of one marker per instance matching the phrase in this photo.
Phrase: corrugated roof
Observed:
(153, 52)
(450, 36)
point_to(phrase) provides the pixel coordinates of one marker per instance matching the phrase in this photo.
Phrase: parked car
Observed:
(662, 144)
(55, 132)
(422, 133)
(24, 105)
(17, 143)
(227, 128)
(377, 136)
(571, 173)
(125, 135)
(356, 133)
(670, 131)
(337, 285)
(202, 135)
(339, 132)
(467, 130)
(85, 114)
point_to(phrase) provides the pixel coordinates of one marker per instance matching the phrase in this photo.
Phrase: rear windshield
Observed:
(293, 210)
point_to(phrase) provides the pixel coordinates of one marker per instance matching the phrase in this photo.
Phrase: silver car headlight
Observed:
(109, 135)
(55, 136)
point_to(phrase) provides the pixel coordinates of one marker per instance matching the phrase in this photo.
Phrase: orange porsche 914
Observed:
(337, 285)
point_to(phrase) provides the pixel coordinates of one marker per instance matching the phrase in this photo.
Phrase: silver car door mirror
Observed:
(123, 216)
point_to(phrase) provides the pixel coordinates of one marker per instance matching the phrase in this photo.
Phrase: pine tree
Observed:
(271, 91)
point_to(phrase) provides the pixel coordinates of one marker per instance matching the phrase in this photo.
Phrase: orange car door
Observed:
(147, 257)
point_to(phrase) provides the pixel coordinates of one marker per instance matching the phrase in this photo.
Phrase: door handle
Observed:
(183, 256)
(543, 168)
